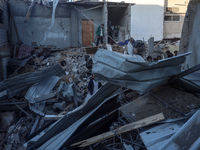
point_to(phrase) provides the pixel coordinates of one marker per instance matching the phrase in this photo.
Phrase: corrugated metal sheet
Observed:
(42, 88)
(104, 92)
(38, 90)
(19, 83)
(187, 137)
(17, 62)
(57, 141)
(134, 73)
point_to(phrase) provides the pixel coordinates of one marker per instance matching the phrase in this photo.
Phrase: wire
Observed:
(167, 104)
(127, 140)
(114, 144)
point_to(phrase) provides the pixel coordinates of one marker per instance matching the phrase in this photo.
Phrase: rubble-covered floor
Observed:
(19, 123)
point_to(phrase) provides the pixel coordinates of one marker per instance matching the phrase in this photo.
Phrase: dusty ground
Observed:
(147, 105)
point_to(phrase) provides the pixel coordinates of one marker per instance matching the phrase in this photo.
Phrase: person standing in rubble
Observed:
(100, 34)
(93, 85)
(130, 47)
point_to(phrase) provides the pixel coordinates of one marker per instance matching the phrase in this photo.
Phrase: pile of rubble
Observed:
(44, 106)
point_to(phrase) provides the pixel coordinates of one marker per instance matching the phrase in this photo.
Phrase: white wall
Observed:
(147, 19)
(118, 1)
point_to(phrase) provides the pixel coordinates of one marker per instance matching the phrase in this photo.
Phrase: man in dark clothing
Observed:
(169, 54)
(175, 53)
(93, 86)
(149, 58)
(100, 34)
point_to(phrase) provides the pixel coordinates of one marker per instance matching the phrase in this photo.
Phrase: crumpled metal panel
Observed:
(16, 84)
(57, 141)
(69, 91)
(38, 90)
(42, 88)
(17, 62)
(104, 92)
(133, 72)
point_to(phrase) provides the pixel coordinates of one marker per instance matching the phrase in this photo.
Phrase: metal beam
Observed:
(91, 8)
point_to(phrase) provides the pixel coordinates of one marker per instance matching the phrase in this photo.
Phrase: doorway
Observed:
(87, 32)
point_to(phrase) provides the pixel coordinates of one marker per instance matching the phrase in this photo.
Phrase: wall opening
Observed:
(172, 18)
(117, 23)
(172, 9)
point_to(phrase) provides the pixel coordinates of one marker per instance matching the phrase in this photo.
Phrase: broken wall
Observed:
(125, 23)
(34, 30)
(147, 19)
(119, 17)
(4, 30)
(191, 34)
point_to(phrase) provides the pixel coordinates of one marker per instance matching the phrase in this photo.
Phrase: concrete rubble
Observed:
(54, 107)
(45, 103)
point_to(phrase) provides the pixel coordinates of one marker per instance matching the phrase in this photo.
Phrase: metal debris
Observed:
(133, 72)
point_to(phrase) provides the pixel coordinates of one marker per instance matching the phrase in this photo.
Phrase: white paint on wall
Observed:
(56, 35)
(147, 18)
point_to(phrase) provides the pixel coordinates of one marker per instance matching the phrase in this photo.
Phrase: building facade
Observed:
(174, 15)
(161, 19)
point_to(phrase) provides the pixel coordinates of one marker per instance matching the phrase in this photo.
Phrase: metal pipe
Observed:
(22, 109)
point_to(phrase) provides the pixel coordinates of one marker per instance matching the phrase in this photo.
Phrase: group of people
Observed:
(169, 54)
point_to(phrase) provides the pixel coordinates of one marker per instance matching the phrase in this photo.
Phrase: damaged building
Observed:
(75, 24)
(59, 90)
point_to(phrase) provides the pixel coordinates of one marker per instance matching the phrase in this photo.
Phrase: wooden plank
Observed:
(121, 130)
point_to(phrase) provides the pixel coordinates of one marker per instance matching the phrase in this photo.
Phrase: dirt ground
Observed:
(147, 105)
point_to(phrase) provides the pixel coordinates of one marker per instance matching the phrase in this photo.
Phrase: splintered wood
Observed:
(121, 130)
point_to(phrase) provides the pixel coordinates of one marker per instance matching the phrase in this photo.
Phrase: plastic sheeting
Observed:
(133, 72)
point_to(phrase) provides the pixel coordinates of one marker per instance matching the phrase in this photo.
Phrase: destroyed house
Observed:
(75, 23)
(59, 91)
